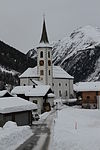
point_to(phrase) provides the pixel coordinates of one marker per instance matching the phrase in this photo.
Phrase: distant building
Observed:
(88, 93)
(16, 109)
(60, 81)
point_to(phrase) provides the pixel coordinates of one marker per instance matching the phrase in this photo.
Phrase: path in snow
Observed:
(41, 130)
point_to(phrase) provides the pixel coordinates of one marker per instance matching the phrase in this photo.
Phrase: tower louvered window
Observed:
(41, 54)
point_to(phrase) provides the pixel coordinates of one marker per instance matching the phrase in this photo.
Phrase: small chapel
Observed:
(45, 72)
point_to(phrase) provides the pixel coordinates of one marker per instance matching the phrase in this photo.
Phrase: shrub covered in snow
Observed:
(11, 135)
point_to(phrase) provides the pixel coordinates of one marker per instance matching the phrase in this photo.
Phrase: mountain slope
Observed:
(79, 54)
(12, 62)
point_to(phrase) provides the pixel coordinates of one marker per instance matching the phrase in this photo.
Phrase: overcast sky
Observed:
(21, 20)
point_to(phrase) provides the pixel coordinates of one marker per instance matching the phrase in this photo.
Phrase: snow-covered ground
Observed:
(76, 129)
(12, 136)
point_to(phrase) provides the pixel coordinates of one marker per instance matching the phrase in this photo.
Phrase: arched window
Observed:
(41, 62)
(60, 94)
(59, 84)
(66, 93)
(49, 72)
(41, 54)
(48, 54)
(49, 63)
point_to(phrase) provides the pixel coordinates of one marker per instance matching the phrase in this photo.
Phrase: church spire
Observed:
(44, 37)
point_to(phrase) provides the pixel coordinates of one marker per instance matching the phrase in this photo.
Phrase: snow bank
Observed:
(76, 129)
(12, 136)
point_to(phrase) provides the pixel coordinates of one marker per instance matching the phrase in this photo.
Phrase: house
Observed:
(16, 109)
(87, 92)
(35, 93)
(60, 81)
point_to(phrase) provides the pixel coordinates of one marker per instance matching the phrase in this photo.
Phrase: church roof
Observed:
(30, 72)
(44, 42)
(58, 72)
(44, 37)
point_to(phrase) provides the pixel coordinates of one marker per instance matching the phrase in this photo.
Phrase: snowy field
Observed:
(76, 129)
(12, 136)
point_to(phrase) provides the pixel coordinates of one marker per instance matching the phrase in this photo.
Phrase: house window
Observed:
(49, 72)
(41, 54)
(48, 54)
(41, 62)
(59, 84)
(60, 94)
(41, 72)
(66, 84)
(88, 97)
(66, 93)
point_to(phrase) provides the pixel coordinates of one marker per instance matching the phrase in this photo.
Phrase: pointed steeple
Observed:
(44, 37)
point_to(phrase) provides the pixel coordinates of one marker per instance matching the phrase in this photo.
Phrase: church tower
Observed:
(44, 58)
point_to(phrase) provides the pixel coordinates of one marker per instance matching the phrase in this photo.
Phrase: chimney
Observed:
(33, 86)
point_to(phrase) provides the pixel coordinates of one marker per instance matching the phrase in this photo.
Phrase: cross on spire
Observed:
(44, 37)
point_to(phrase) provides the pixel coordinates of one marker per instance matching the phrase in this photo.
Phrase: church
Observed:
(58, 79)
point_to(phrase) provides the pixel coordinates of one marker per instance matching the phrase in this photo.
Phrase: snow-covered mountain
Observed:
(79, 53)
(32, 53)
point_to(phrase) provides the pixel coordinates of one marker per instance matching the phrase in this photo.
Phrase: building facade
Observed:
(88, 93)
(60, 81)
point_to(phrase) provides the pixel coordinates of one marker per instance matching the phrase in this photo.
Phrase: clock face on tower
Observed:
(41, 62)
(49, 62)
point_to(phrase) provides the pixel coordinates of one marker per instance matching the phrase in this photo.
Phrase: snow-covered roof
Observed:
(15, 104)
(72, 100)
(37, 82)
(39, 90)
(30, 72)
(44, 45)
(4, 92)
(58, 72)
(87, 86)
(51, 95)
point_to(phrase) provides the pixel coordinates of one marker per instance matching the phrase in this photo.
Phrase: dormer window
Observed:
(41, 54)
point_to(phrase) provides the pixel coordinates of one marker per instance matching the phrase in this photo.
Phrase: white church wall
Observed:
(71, 88)
(63, 85)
